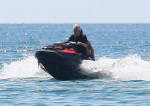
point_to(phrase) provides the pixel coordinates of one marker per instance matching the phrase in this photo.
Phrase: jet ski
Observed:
(61, 60)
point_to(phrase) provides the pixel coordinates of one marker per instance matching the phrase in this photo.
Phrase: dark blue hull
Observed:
(60, 65)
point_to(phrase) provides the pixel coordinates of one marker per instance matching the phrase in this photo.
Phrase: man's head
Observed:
(76, 30)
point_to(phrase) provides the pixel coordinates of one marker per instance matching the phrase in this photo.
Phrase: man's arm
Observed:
(82, 44)
(92, 50)
(89, 48)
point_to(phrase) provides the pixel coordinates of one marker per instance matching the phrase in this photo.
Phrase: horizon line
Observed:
(86, 23)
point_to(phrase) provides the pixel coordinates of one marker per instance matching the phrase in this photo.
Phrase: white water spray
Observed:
(22, 69)
(131, 67)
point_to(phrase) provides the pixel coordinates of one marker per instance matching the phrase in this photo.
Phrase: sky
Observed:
(74, 11)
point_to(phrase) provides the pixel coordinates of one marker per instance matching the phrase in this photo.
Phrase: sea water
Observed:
(122, 53)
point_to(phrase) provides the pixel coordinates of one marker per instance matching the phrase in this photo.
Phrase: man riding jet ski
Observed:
(62, 59)
(84, 46)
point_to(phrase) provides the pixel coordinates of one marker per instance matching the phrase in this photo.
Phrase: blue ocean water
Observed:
(122, 54)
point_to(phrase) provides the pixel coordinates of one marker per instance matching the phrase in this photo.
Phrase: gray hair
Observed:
(77, 26)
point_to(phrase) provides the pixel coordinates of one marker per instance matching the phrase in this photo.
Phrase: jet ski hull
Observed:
(62, 66)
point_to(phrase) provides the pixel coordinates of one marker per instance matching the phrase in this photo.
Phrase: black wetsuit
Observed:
(80, 49)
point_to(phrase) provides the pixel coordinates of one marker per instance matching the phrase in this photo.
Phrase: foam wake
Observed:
(131, 67)
(23, 69)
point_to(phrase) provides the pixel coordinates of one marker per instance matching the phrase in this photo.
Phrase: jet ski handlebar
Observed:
(71, 43)
(68, 43)
(61, 45)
